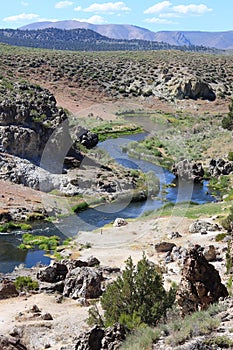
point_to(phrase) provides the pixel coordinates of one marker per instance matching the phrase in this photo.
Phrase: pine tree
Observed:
(137, 297)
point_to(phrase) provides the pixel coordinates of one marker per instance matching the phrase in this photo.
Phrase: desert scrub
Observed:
(141, 339)
(42, 242)
(11, 226)
(25, 283)
(222, 342)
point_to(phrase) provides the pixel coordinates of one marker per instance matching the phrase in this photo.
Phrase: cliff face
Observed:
(28, 118)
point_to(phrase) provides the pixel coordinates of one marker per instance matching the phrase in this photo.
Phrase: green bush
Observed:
(137, 297)
(23, 283)
(230, 156)
(227, 122)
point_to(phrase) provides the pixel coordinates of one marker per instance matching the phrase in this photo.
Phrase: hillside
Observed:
(82, 40)
(219, 40)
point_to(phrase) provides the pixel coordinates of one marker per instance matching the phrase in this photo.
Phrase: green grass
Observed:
(191, 210)
(178, 330)
(42, 242)
(11, 226)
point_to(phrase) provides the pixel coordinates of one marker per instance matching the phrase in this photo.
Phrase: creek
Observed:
(90, 219)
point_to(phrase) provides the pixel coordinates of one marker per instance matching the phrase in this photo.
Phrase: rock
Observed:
(173, 235)
(102, 339)
(85, 137)
(203, 226)
(191, 87)
(8, 290)
(47, 316)
(54, 273)
(220, 166)
(164, 247)
(200, 284)
(189, 171)
(7, 343)
(92, 261)
(83, 282)
(119, 222)
(210, 253)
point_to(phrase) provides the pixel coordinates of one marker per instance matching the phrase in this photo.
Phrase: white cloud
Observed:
(108, 7)
(63, 4)
(192, 9)
(160, 6)
(78, 8)
(159, 21)
(21, 17)
(169, 15)
(94, 20)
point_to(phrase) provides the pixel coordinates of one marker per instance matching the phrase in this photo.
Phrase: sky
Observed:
(204, 15)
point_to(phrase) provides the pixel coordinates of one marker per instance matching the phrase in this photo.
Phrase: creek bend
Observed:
(90, 219)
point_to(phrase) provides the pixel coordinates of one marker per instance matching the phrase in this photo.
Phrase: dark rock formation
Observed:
(164, 247)
(7, 343)
(85, 137)
(8, 290)
(28, 118)
(200, 226)
(55, 273)
(200, 284)
(102, 339)
(83, 282)
(220, 166)
(189, 171)
(193, 88)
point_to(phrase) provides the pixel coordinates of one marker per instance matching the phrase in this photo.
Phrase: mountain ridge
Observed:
(84, 40)
(221, 40)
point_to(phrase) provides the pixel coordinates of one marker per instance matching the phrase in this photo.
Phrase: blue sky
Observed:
(206, 15)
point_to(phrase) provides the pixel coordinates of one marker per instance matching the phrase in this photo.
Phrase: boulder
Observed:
(199, 226)
(102, 339)
(86, 137)
(210, 253)
(200, 283)
(54, 273)
(84, 282)
(220, 166)
(8, 290)
(189, 171)
(164, 247)
(119, 222)
(193, 88)
(7, 343)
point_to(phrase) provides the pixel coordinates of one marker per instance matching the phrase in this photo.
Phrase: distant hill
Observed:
(82, 40)
(219, 40)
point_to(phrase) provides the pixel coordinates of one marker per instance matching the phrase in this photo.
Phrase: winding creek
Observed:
(90, 219)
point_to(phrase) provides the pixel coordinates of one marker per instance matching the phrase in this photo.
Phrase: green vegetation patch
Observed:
(11, 226)
(25, 283)
(42, 242)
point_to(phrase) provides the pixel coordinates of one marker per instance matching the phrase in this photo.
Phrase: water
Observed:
(90, 219)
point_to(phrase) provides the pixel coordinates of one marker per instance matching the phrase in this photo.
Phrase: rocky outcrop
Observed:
(28, 118)
(200, 284)
(189, 171)
(102, 339)
(220, 166)
(75, 279)
(7, 343)
(191, 87)
(118, 222)
(164, 247)
(203, 227)
(86, 137)
(83, 282)
(8, 290)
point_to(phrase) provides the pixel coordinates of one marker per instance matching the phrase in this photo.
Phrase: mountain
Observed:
(82, 40)
(219, 40)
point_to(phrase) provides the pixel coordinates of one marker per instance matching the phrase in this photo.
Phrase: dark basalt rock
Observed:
(189, 171)
(200, 284)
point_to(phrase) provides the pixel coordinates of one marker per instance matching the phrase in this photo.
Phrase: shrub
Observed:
(230, 156)
(227, 122)
(25, 283)
(137, 297)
